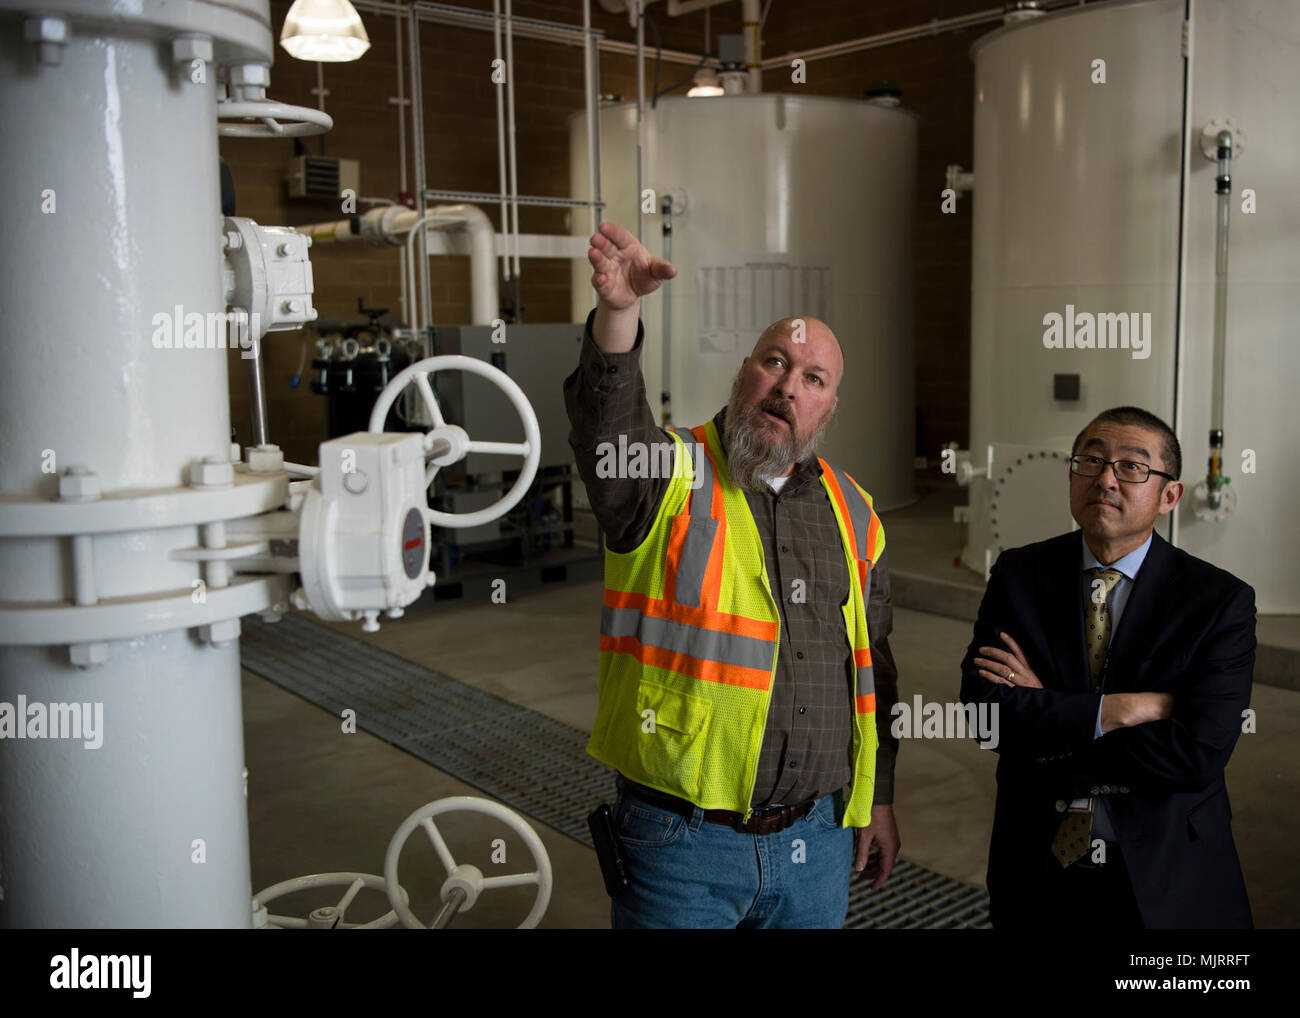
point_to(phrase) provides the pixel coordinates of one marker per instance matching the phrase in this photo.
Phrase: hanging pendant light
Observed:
(705, 82)
(325, 30)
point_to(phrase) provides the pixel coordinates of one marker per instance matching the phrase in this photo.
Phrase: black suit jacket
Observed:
(1188, 629)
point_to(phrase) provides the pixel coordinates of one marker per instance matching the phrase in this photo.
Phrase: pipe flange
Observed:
(55, 623)
(1210, 138)
(1213, 513)
(119, 511)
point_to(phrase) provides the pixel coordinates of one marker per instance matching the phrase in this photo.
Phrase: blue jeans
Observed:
(686, 873)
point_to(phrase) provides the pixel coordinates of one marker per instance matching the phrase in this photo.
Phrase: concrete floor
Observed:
(320, 800)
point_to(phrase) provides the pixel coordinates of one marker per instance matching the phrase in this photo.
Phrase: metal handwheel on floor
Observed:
(464, 882)
(330, 917)
(445, 443)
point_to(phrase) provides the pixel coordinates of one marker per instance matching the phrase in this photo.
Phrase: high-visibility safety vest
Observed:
(690, 631)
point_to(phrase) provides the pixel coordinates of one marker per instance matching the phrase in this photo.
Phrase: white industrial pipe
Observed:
(395, 225)
(485, 304)
(142, 822)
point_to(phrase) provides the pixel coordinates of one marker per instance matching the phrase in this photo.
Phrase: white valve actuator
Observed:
(363, 540)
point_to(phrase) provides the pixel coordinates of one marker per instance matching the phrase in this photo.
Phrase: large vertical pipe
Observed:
(148, 829)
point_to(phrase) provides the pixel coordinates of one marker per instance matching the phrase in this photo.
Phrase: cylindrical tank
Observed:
(1087, 214)
(781, 206)
(142, 823)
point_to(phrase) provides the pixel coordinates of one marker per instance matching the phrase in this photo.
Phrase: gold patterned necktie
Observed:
(1074, 836)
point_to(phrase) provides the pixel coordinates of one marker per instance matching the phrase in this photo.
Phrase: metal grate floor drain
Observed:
(532, 763)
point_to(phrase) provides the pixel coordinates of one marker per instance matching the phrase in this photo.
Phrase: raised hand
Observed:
(624, 270)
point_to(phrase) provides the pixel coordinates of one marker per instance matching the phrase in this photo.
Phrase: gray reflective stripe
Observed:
(706, 644)
(702, 529)
(695, 560)
(866, 682)
(859, 511)
(704, 474)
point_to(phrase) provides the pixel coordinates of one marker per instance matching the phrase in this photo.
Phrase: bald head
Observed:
(813, 338)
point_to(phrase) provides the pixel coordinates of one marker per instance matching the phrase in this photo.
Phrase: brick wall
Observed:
(460, 127)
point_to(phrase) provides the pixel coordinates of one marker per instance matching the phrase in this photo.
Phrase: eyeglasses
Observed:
(1128, 471)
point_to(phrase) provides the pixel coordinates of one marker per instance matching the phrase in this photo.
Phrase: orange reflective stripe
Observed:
(873, 538)
(711, 588)
(862, 658)
(833, 485)
(703, 617)
(716, 508)
(684, 664)
(866, 704)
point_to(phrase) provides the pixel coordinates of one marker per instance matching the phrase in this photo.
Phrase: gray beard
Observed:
(751, 457)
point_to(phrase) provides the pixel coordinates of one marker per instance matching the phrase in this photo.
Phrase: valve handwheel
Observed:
(331, 917)
(273, 119)
(466, 878)
(445, 444)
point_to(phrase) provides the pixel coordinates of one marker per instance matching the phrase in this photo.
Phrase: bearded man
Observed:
(746, 681)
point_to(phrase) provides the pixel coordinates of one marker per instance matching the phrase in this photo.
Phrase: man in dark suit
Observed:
(1120, 668)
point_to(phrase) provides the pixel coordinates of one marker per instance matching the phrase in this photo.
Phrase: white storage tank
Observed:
(1088, 207)
(783, 205)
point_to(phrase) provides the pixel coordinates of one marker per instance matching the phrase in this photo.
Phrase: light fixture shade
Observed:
(326, 30)
(705, 82)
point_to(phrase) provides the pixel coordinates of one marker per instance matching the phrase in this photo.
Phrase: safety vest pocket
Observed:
(671, 739)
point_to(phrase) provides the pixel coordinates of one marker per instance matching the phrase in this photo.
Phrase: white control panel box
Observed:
(364, 539)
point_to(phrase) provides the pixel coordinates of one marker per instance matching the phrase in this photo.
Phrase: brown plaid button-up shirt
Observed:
(808, 743)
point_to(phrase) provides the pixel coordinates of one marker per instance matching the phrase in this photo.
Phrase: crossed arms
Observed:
(1177, 736)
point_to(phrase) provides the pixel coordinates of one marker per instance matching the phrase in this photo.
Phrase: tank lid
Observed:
(1018, 17)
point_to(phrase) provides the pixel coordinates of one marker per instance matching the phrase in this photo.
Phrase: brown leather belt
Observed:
(769, 820)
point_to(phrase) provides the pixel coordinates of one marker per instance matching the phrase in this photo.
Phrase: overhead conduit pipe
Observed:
(395, 225)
